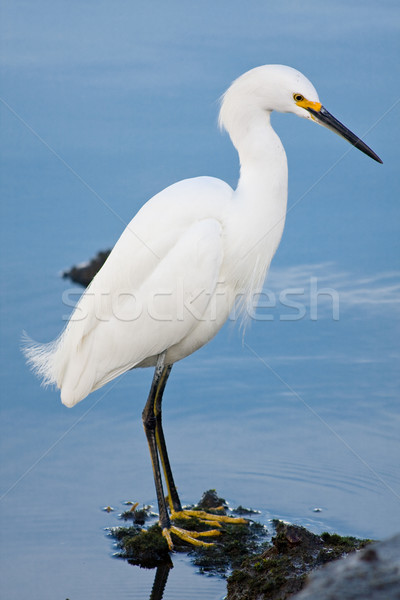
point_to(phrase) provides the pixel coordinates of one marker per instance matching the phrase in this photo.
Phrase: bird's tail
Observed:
(52, 363)
(41, 358)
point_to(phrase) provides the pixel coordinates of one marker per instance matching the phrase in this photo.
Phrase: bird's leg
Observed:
(153, 427)
(149, 423)
(173, 497)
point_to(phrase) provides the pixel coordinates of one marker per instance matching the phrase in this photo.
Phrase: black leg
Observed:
(174, 501)
(150, 424)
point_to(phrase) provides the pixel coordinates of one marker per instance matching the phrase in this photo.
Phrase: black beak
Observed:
(325, 118)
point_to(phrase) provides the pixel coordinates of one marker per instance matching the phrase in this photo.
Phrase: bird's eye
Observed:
(298, 97)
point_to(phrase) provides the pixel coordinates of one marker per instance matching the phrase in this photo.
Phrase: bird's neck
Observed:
(257, 212)
(263, 163)
(259, 202)
(261, 194)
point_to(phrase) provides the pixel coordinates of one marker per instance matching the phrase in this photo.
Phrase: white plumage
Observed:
(178, 268)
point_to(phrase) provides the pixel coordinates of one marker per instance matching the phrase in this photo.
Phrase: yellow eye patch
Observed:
(304, 103)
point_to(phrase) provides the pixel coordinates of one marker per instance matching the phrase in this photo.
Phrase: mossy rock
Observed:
(235, 542)
(211, 501)
(138, 516)
(262, 569)
(149, 548)
(281, 570)
(146, 548)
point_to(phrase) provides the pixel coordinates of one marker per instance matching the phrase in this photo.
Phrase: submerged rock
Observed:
(231, 547)
(265, 567)
(147, 547)
(84, 273)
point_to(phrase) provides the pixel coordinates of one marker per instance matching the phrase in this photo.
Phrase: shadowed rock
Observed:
(372, 573)
(84, 273)
(281, 570)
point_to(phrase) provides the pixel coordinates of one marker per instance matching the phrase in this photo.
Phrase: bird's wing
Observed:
(150, 293)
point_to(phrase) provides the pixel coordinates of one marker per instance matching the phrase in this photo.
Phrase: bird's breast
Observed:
(252, 236)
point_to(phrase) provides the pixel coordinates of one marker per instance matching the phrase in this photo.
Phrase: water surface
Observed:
(105, 105)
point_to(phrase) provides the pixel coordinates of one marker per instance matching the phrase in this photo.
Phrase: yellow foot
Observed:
(188, 536)
(208, 518)
(191, 537)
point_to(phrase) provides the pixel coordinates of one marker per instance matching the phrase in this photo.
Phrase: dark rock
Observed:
(268, 570)
(137, 515)
(230, 548)
(371, 574)
(84, 273)
(242, 510)
(210, 499)
(281, 570)
(146, 548)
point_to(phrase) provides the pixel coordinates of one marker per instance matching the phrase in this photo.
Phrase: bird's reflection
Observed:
(160, 581)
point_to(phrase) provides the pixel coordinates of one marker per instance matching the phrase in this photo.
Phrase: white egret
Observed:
(174, 275)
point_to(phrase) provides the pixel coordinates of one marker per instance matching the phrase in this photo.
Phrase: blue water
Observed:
(103, 105)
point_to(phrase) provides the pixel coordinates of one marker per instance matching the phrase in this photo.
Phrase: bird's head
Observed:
(284, 89)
